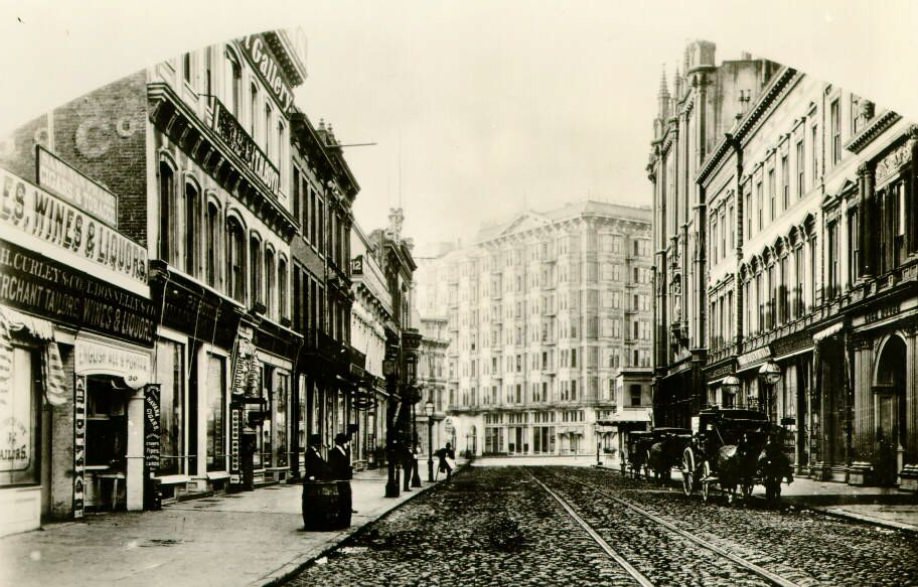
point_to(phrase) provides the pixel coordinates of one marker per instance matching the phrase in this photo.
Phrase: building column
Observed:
(863, 432)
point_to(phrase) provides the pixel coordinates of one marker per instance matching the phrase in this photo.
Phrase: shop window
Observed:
(170, 374)
(216, 413)
(106, 425)
(20, 420)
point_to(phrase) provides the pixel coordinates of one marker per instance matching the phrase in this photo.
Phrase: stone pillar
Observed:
(908, 478)
(134, 473)
(860, 470)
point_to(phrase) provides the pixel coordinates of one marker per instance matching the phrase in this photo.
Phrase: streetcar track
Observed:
(636, 574)
(736, 559)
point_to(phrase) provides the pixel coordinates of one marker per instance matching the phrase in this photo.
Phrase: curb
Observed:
(841, 513)
(286, 572)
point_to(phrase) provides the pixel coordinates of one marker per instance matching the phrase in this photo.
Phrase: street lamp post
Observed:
(730, 385)
(598, 443)
(415, 475)
(428, 411)
(390, 370)
(770, 373)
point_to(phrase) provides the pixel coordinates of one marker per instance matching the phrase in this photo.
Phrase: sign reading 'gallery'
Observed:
(257, 52)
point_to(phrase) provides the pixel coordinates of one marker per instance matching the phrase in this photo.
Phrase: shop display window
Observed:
(171, 377)
(216, 413)
(106, 425)
(20, 402)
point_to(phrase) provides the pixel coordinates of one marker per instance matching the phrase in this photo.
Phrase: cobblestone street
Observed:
(501, 527)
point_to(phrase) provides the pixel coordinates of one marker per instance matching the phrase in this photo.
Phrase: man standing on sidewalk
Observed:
(339, 460)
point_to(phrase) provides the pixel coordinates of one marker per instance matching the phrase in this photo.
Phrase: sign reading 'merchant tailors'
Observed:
(40, 221)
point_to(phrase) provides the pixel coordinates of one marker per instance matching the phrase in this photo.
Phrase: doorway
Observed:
(890, 420)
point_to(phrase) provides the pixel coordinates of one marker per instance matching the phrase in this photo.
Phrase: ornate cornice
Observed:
(174, 118)
(873, 130)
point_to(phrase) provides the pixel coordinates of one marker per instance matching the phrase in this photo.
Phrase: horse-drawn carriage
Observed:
(634, 461)
(735, 449)
(654, 453)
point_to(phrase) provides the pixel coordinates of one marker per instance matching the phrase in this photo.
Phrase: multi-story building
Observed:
(690, 123)
(372, 324)
(543, 312)
(329, 371)
(167, 205)
(392, 253)
(432, 376)
(808, 239)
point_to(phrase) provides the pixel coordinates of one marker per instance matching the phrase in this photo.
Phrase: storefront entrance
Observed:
(890, 420)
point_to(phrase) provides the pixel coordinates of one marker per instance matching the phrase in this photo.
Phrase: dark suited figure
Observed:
(446, 456)
(407, 456)
(339, 462)
(316, 467)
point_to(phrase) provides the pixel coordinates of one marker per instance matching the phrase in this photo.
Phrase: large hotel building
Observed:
(545, 314)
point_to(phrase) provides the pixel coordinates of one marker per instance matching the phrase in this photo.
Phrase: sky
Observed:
(479, 109)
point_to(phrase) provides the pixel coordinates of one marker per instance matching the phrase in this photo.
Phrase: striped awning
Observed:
(56, 391)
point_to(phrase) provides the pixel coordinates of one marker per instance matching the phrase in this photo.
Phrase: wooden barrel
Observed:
(320, 505)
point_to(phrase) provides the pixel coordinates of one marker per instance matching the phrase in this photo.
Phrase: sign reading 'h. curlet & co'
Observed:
(39, 285)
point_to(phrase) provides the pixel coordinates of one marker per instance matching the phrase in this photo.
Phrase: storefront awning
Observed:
(637, 416)
(829, 331)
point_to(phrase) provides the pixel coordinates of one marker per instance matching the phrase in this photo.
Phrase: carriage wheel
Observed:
(705, 484)
(688, 471)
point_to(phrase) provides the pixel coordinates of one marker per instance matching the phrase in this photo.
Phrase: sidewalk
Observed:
(250, 538)
(883, 506)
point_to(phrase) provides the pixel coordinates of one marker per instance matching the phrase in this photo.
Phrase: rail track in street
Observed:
(643, 541)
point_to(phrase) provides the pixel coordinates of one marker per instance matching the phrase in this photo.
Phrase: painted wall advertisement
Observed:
(65, 181)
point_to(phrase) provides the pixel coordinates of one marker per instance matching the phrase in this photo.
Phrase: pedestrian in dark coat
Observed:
(447, 460)
(316, 467)
(339, 461)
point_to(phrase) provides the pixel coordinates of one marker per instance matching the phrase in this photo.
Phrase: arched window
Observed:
(269, 283)
(235, 259)
(166, 212)
(255, 292)
(282, 288)
(233, 93)
(213, 227)
(192, 228)
(253, 112)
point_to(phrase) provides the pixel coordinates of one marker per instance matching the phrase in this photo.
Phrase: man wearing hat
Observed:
(316, 467)
(339, 461)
